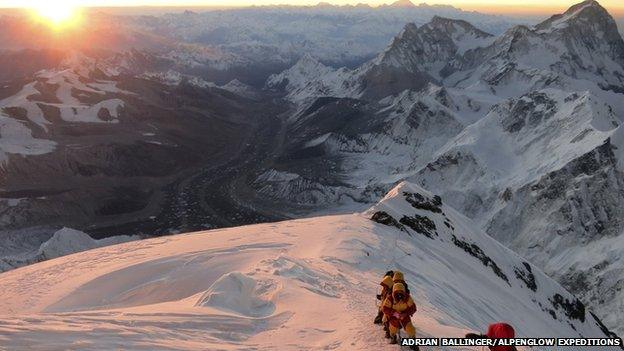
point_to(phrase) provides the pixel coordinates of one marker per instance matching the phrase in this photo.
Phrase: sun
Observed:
(58, 13)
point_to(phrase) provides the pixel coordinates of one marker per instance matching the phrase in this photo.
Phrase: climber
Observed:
(386, 288)
(398, 307)
(397, 277)
(497, 331)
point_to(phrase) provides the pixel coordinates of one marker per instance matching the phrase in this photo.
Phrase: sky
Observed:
(489, 6)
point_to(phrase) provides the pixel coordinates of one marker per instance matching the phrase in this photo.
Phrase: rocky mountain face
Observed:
(419, 55)
(520, 132)
(566, 50)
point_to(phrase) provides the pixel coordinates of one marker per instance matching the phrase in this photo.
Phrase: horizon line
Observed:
(508, 10)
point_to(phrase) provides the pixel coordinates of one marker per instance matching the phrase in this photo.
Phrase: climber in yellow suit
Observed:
(386, 289)
(398, 308)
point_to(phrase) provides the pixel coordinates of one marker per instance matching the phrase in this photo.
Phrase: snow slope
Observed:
(516, 143)
(294, 285)
(65, 241)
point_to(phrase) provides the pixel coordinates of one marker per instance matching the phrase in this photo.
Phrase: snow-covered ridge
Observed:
(63, 242)
(262, 285)
(175, 78)
(309, 79)
(574, 13)
(68, 241)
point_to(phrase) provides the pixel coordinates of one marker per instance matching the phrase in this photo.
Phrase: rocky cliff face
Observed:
(569, 222)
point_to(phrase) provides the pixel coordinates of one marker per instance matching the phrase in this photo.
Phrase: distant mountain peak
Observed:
(410, 27)
(590, 27)
(402, 3)
(586, 12)
(308, 60)
(437, 6)
(451, 25)
(429, 47)
(324, 4)
(407, 34)
(444, 20)
(584, 4)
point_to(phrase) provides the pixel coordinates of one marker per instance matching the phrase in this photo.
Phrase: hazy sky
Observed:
(506, 6)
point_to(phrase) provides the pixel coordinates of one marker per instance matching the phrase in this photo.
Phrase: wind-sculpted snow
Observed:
(301, 284)
(237, 292)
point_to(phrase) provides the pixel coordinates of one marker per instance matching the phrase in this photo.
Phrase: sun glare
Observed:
(57, 13)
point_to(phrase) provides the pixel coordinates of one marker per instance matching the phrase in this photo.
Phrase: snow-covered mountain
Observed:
(308, 79)
(95, 145)
(339, 35)
(568, 50)
(416, 57)
(302, 284)
(519, 131)
(219, 45)
(364, 147)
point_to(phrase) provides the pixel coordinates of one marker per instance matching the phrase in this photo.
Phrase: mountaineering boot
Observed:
(379, 318)
(388, 336)
(393, 340)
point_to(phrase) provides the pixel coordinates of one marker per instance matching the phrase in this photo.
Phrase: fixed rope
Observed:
(395, 248)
